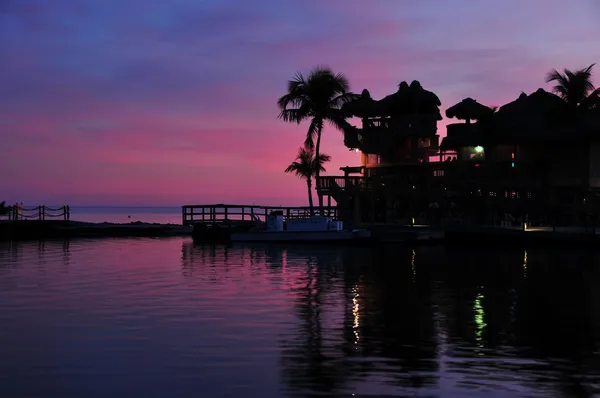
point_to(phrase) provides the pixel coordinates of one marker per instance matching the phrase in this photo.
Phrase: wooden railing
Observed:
(442, 173)
(334, 182)
(40, 213)
(223, 213)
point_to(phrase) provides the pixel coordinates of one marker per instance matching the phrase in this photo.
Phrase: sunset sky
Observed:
(158, 102)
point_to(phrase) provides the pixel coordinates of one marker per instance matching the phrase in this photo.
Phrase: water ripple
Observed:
(165, 317)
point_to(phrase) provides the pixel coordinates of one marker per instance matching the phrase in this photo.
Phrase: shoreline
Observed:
(50, 229)
(382, 234)
(487, 235)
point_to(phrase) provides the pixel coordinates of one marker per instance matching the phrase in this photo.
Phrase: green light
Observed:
(478, 149)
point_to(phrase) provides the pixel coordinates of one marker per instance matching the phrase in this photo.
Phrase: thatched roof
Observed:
(407, 100)
(529, 116)
(363, 106)
(539, 104)
(468, 109)
(538, 117)
(410, 99)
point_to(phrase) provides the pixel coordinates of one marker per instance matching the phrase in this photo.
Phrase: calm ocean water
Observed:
(165, 318)
(126, 214)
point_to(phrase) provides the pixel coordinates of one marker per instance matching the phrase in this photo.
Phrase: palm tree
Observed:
(575, 88)
(580, 96)
(306, 166)
(319, 97)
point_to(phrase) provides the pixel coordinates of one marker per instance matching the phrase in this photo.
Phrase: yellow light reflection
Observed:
(525, 263)
(412, 264)
(356, 313)
(479, 319)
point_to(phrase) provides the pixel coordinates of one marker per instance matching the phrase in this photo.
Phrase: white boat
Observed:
(316, 229)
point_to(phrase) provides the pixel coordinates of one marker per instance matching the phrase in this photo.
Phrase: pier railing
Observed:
(222, 213)
(40, 213)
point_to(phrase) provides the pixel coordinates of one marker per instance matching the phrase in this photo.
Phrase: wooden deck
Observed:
(241, 214)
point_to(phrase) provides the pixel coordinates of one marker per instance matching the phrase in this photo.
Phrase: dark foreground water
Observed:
(163, 318)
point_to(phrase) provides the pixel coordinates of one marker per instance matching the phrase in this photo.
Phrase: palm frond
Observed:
(306, 165)
(589, 68)
(317, 96)
(316, 125)
(574, 87)
(337, 119)
(319, 161)
(339, 100)
(296, 83)
(291, 115)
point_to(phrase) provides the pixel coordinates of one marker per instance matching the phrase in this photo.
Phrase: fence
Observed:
(40, 213)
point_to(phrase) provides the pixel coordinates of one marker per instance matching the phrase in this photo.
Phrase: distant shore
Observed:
(33, 229)
(382, 234)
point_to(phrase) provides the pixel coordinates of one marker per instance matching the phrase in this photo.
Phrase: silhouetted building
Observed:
(533, 159)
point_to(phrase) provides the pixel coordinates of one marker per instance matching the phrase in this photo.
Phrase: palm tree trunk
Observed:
(310, 197)
(318, 172)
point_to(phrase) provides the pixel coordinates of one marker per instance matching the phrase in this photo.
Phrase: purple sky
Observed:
(174, 102)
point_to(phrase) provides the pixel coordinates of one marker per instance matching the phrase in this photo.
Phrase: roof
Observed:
(538, 116)
(468, 109)
(409, 99)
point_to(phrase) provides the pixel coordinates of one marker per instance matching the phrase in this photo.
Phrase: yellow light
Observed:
(356, 313)
(480, 324)
(412, 263)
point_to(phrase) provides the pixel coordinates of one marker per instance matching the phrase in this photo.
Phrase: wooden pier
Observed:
(216, 223)
(244, 214)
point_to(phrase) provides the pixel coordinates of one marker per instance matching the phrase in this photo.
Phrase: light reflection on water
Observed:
(162, 317)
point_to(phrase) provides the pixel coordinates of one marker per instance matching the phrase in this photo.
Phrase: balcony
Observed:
(333, 184)
(385, 142)
(461, 135)
(399, 176)
(402, 122)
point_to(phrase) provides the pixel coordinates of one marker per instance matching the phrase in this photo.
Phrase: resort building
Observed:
(533, 160)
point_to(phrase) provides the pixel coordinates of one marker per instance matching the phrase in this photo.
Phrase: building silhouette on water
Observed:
(535, 160)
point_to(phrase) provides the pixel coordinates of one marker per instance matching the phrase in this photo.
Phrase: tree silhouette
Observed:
(575, 88)
(307, 166)
(318, 98)
(580, 96)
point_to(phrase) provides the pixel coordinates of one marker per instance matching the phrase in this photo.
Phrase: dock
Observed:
(216, 222)
(228, 214)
